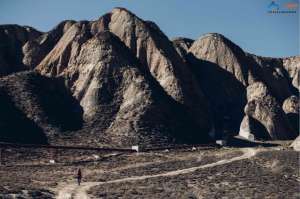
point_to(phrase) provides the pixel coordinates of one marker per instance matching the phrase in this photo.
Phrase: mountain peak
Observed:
(133, 83)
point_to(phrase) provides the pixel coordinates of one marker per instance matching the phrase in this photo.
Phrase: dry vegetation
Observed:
(272, 173)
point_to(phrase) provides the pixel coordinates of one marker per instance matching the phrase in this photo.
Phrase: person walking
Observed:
(79, 176)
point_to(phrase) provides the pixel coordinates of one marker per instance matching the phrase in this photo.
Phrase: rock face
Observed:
(120, 99)
(245, 129)
(291, 109)
(12, 38)
(125, 83)
(221, 75)
(291, 105)
(36, 49)
(153, 50)
(48, 108)
(265, 109)
(271, 72)
(213, 55)
(215, 48)
(292, 65)
(252, 129)
(157, 53)
(182, 45)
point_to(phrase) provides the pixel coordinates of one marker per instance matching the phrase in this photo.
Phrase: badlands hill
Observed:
(120, 81)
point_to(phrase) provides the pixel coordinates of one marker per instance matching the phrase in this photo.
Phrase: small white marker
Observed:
(136, 148)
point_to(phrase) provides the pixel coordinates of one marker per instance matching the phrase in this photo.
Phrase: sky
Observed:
(246, 22)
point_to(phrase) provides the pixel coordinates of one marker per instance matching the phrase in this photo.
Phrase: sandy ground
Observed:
(256, 172)
(73, 191)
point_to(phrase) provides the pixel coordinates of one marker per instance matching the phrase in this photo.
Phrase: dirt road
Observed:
(69, 191)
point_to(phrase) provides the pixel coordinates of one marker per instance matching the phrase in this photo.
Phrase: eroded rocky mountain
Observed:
(228, 75)
(120, 81)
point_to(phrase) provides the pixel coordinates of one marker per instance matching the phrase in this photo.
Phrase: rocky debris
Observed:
(12, 38)
(40, 106)
(291, 108)
(182, 45)
(296, 144)
(265, 109)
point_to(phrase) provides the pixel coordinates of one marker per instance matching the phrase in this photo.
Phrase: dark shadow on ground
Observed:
(241, 143)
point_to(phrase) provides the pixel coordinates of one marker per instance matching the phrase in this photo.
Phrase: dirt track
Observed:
(72, 190)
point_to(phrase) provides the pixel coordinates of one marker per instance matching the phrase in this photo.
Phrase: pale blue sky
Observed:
(245, 22)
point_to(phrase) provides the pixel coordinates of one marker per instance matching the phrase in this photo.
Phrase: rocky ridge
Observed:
(129, 84)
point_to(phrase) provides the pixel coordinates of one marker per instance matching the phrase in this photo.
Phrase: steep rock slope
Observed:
(252, 129)
(182, 45)
(123, 104)
(153, 50)
(36, 49)
(217, 49)
(291, 108)
(292, 65)
(273, 74)
(183, 89)
(247, 68)
(222, 76)
(265, 109)
(224, 71)
(12, 38)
